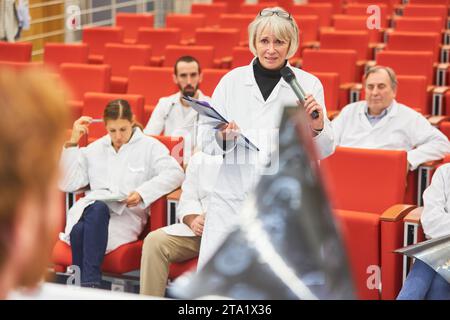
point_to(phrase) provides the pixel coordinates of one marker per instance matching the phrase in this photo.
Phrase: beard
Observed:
(189, 90)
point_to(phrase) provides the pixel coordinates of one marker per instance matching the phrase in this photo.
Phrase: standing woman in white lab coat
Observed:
(124, 164)
(423, 282)
(252, 98)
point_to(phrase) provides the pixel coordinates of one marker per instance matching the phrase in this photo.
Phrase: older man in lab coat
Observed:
(172, 115)
(380, 122)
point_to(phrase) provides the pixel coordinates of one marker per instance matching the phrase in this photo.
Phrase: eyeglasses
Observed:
(269, 13)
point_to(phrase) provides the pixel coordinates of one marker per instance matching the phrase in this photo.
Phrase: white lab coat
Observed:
(401, 129)
(171, 118)
(436, 216)
(143, 165)
(237, 97)
(201, 175)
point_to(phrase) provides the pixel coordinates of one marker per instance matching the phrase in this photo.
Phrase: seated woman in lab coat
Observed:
(126, 171)
(423, 283)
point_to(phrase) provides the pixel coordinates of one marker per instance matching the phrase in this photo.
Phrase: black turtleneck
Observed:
(265, 78)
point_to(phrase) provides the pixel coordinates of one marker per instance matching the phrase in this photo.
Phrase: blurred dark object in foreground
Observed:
(287, 245)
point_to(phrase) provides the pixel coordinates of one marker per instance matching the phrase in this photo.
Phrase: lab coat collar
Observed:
(250, 76)
(390, 114)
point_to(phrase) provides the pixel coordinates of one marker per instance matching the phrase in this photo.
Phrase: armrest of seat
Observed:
(392, 239)
(441, 73)
(414, 216)
(332, 114)
(174, 195)
(438, 94)
(436, 120)
(157, 61)
(158, 216)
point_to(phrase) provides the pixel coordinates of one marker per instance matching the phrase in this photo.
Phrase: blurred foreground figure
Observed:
(287, 245)
(32, 122)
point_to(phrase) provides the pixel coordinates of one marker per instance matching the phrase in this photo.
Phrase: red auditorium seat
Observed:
(131, 22)
(187, 24)
(233, 6)
(309, 29)
(153, 83)
(408, 63)
(94, 104)
(57, 53)
(223, 41)
(322, 10)
(445, 129)
(82, 78)
(15, 51)
(211, 11)
(419, 24)
(255, 8)
(127, 257)
(121, 57)
(388, 3)
(347, 40)
(415, 41)
(343, 22)
(325, 61)
(330, 82)
(238, 21)
(203, 54)
(211, 78)
(440, 2)
(358, 9)
(338, 5)
(159, 39)
(367, 201)
(97, 37)
(241, 56)
(426, 10)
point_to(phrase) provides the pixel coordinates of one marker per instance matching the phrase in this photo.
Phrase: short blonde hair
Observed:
(283, 28)
(33, 121)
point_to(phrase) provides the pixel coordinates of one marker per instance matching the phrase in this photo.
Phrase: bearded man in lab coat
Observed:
(172, 115)
(380, 122)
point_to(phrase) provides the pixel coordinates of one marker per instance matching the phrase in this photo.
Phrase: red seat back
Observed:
(175, 146)
(445, 129)
(203, 54)
(366, 180)
(358, 23)
(223, 40)
(131, 22)
(57, 53)
(345, 40)
(419, 24)
(237, 21)
(309, 27)
(97, 37)
(151, 82)
(233, 6)
(211, 11)
(415, 41)
(159, 38)
(241, 57)
(16, 51)
(211, 78)
(419, 63)
(338, 5)
(325, 61)
(186, 23)
(427, 10)
(122, 56)
(83, 78)
(255, 8)
(330, 82)
(322, 10)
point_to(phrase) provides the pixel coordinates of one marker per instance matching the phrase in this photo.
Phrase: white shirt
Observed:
(143, 165)
(201, 176)
(171, 118)
(435, 216)
(237, 97)
(401, 129)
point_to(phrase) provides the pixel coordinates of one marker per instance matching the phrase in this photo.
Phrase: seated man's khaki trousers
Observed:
(159, 250)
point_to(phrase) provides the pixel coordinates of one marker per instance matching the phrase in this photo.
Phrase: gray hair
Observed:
(389, 71)
(283, 29)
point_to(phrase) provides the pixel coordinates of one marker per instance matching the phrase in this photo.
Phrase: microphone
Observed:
(289, 76)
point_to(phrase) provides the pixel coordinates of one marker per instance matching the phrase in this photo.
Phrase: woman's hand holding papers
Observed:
(133, 199)
(229, 131)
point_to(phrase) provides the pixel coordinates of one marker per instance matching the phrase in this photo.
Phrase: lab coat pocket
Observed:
(135, 175)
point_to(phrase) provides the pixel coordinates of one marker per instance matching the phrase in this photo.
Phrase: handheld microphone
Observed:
(289, 76)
